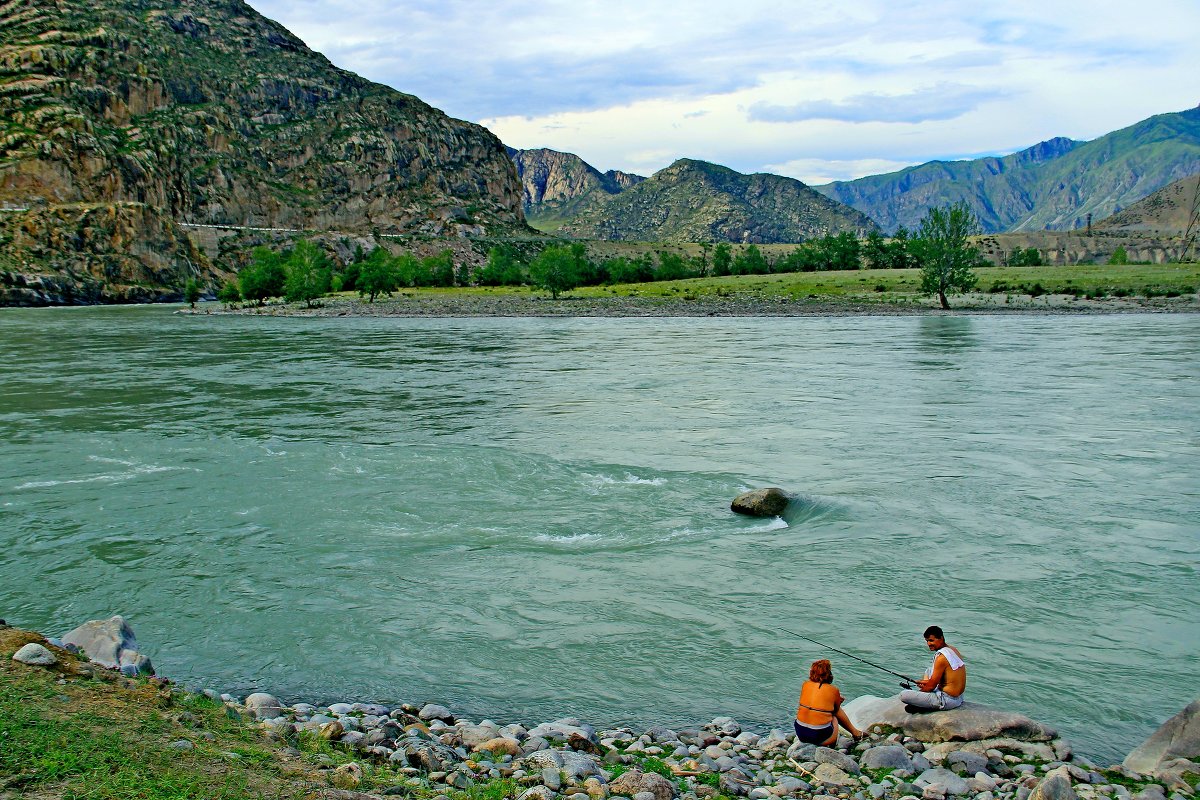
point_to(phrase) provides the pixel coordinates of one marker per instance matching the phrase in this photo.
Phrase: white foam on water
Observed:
(106, 478)
(629, 480)
(107, 460)
(572, 538)
(774, 524)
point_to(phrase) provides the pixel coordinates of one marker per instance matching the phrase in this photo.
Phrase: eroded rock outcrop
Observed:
(210, 113)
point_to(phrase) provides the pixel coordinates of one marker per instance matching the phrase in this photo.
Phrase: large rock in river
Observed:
(768, 502)
(969, 722)
(1177, 738)
(110, 643)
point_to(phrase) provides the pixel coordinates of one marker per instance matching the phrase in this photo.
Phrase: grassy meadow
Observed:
(995, 286)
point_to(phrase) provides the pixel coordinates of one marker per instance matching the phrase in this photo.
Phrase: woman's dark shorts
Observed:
(813, 735)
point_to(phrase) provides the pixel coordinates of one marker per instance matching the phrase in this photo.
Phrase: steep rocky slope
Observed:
(1167, 212)
(695, 201)
(207, 112)
(1054, 185)
(559, 186)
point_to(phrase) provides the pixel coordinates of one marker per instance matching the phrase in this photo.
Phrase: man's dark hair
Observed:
(934, 630)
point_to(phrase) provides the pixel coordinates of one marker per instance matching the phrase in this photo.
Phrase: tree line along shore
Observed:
(939, 260)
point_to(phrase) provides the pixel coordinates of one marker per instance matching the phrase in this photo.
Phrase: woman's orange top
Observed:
(822, 696)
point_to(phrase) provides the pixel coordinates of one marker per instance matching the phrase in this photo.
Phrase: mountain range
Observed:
(695, 201)
(1054, 185)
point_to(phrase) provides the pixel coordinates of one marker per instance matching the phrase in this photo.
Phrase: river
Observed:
(528, 518)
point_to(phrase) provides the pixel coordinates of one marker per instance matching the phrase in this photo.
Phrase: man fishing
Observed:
(945, 680)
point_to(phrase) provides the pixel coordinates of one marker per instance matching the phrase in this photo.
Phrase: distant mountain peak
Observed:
(1047, 150)
(1053, 185)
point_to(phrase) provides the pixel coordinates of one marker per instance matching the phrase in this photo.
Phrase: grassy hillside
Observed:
(1171, 211)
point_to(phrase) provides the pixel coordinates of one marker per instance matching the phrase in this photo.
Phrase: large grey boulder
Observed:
(635, 782)
(888, 756)
(1177, 738)
(263, 706)
(35, 655)
(947, 780)
(968, 722)
(109, 643)
(826, 755)
(768, 502)
(1055, 786)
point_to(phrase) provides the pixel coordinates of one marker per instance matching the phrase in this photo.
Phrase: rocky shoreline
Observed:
(971, 753)
(451, 304)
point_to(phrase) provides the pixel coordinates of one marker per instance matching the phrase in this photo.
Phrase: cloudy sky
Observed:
(815, 89)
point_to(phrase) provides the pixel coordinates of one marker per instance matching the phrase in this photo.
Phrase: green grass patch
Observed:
(91, 739)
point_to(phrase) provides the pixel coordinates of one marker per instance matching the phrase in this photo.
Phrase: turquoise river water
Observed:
(528, 518)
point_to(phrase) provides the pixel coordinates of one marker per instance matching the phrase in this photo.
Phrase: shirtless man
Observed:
(944, 682)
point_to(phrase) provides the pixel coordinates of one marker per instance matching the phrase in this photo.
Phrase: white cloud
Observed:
(820, 88)
(942, 101)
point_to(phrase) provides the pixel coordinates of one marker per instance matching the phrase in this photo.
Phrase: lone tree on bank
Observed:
(308, 274)
(191, 292)
(940, 244)
(554, 270)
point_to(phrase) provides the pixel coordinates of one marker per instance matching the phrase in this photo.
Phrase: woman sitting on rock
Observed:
(820, 708)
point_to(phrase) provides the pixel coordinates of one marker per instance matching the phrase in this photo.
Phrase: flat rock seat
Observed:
(967, 723)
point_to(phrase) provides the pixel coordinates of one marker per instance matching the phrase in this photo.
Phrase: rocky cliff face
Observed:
(1053, 185)
(207, 112)
(558, 186)
(95, 253)
(694, 201)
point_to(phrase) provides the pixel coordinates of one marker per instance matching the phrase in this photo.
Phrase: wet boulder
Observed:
(1176, 740)
(110, 643)
(769, 502)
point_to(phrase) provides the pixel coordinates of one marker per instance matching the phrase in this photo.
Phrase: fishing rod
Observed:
(907, 680)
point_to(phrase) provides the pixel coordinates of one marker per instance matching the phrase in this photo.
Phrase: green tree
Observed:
(377, 275)
(308, 273)
(947, 261)
(842, 251)
(500, 262)
(229, 294)
(750, 262)
(191, 292)
(701, 261)
(410, 271)
(554, 270)
(671, 267)
(899, 254)
(1029, 257)
(722, 262)
(1119, 257)
(875, 250)
(264, 276)
(440, 268)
